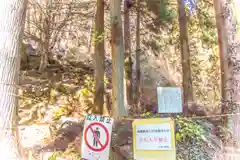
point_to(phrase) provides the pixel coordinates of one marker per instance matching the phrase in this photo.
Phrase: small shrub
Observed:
(189, 131)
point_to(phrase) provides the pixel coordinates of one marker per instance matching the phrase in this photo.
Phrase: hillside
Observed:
(65, 88)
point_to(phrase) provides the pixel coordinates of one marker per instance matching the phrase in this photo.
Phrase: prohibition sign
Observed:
(102, 145)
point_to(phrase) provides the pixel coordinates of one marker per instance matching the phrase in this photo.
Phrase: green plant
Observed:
(85, 92)
(98, 37)
(146, 115)
(60, 112)
(189, 131)
(89, 82)
(54, 156)
(166, 14)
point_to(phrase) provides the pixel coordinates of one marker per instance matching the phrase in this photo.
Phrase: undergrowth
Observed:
(190, 137)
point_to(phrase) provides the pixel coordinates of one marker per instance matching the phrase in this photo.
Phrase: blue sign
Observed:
(169, 100)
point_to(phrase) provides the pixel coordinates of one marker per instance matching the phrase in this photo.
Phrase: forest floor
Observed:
(59, 92)
(63, 93)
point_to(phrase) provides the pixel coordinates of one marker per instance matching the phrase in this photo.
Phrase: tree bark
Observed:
(185, 58)
(233, 80)
(229, 47)
(12, 16)
(99, 58)
(127, 47)
(138, 51)
(46, 36)
(118, 103)
(222, 44)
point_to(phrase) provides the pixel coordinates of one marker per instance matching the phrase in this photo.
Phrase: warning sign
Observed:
(154, 139)
(98, 144)
(96, 137)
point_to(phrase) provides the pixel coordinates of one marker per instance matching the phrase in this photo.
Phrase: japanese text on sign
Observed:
(153, 130)
(96, 137)
(102, 119)
(169, 100)
(153, 137)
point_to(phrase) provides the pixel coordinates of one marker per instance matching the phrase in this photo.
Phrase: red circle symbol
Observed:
(102, 146)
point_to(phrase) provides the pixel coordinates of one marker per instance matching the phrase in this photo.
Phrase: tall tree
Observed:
(231, 66)
(185, 57)
(234, 63)
(127, 47)
(138, 52)
(222, 43)
(99, 58)
(229, 48)
(118, 102)
(12, 17)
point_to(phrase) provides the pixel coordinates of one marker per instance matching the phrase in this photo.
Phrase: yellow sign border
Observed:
(154, 155)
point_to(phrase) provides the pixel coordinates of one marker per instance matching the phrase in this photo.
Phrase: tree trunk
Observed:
(12, 16)
(138, 51)
(229, 48)
(99, 58)
(118, 103)
(235, 81)
(28, 19)
(233, 64)
(46, 36)
(185, 58)
(91, 30)
(127, 47)
(222, 43)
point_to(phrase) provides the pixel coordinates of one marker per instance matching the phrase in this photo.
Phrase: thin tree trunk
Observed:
(222, 44)
(46, 36)
(12, 16)
(229, 46)
(28, 17)
(43, 52)
(236, 83)
(127, 46)
(91, 31)
(185, 58)
(233, 80)
(118, 103)
(99, 58)
(138, 51)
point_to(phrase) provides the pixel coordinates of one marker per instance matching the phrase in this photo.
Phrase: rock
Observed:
(49, 114)
(78, 144)
(68, 132)
(45, 155)
(127, 151)
(33, 135)
(227, 153)
(123, 130)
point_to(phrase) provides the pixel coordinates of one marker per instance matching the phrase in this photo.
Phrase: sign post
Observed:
(154, 139)
(96, 137)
